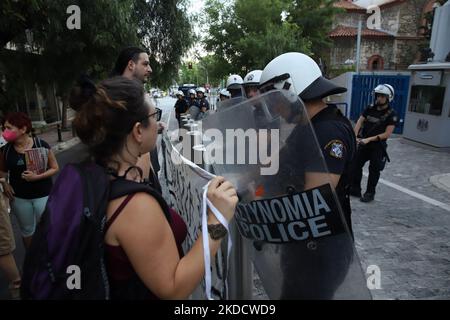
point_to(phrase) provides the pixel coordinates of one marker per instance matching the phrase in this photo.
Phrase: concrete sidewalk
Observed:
(406, 230)
(442, 181)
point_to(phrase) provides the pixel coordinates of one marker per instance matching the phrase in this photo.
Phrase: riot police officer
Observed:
(251, 82)
(181, 106)
(202, 102)
(298, 73)
(374, 127)
(234, 85)
(193, 106)
(224, 94)
(309, 272)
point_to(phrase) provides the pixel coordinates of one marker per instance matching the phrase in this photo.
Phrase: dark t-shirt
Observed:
(15, 165)
(181, 106)
(372, 125)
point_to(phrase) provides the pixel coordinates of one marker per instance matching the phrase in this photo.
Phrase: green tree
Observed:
(187, 75)
(217, 68)
(316, 19)
(250, 33)
(18, 16)
(106, 27)
(61, 55)
(166, 30)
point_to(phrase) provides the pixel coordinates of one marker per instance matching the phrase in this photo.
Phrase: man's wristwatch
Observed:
(217, 231)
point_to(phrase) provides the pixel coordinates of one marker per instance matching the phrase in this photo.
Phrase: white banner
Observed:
(182, 185)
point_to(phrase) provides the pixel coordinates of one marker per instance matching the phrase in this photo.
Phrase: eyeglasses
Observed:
(157, 113)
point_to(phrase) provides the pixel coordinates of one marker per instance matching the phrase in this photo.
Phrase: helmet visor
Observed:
(270, 84)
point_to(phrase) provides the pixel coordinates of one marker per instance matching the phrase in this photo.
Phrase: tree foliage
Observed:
(250, 33)
(165, 29)
(316, 18)
(47, 52)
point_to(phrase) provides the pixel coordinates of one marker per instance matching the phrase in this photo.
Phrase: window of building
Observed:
(427, 99)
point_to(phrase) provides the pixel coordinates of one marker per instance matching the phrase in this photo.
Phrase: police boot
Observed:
(367, 197)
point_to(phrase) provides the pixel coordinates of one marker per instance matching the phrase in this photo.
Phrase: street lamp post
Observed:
(206, 71)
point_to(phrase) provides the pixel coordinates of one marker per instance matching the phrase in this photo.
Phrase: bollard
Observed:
(240, 277)
(58, 128)
(74, 132)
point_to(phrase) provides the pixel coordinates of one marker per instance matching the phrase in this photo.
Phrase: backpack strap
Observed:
(122, 187)
(37, 142)
(116, 214)
(7, 148)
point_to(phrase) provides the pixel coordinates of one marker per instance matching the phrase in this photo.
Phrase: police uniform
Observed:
(194, 108)
(375, 123)
(337, 143)
(327, 268)
(181, 106)
(191, 101)
(317, 267)
(202, 103)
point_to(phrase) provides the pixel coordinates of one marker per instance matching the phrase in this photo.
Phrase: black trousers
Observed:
(374, 152)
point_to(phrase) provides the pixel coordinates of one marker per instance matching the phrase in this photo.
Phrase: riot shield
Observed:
(288, 212)
(194, 111)
(225, 104)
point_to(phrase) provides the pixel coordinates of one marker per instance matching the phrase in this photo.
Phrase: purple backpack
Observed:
(69, 240)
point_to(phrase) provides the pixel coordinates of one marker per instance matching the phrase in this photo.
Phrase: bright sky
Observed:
(196, 6)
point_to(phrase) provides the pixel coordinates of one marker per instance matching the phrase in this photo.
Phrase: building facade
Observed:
(394, 45)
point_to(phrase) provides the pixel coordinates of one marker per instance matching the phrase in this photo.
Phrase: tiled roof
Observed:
(343, 31)
(391, 3)
(348, 5)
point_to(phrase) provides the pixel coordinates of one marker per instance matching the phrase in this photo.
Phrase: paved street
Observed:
(405, 234)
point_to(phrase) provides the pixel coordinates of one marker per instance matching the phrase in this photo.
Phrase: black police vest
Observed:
(376, 127)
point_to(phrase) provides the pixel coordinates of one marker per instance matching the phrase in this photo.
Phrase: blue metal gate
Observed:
(362, 94)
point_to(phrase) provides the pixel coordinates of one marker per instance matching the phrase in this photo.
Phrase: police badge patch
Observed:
(336, 149)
